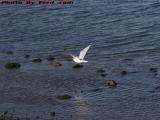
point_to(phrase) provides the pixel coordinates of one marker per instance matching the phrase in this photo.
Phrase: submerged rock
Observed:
(103, 74)
(64, 97)
(57, 64)
(153, 69)
(27, 56)
(3, 113)
(50, 58)
(36, 60)
(157, 88)
(12, 65)
(111, 83)
(100, 71)
(128, 59)
(68, 57)
(123, 72)
(9, 52)
(52, 114)
(65, 49)
(97, 90)
(10, 117)
(77, 66)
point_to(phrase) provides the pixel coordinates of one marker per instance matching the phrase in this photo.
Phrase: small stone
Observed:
(153, 70)
(111, 83)
(9, 52)
(123, 72)
(36, 60)
(12, 65)
(64, 97)
(77, 66)
(100, 71)
(50, 58)
(52, 114)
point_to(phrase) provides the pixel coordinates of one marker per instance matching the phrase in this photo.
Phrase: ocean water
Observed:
(125, 35)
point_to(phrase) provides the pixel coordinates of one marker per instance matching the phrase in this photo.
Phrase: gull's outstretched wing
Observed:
(83, 52)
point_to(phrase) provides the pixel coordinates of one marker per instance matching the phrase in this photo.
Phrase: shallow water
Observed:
(124, 36)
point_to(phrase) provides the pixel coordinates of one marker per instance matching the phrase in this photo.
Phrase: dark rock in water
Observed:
(50, 58)
(68, 57)
(52, 114)
(157, 88)
(9, 52)
(103, 74)
(27, 56)
(12, 65)
(153, 70)
(5, 113)
(57, 64)
(7, 117)
(65, 49)
(37, 117)
(123, 72)
(128, 59)
(100, 71)
(77, 66)
(36, 60)
(64, 97)
(96, 90)
(112, 83)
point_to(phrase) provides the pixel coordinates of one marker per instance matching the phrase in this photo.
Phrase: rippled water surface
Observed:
(125, 35)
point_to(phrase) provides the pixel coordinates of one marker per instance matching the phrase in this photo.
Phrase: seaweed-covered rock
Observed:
(153, 69)
(37, 60)
(12, 65)
(77, 66)
(64, 97)
(111, 83)
(50, 58)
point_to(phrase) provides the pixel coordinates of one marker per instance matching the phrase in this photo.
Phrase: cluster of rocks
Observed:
(50, 58)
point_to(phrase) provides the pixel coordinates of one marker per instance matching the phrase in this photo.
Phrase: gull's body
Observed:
(80, 58)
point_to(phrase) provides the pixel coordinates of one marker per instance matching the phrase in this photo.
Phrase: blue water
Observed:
(124, 36)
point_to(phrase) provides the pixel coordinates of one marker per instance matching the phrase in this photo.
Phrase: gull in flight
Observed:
(80, 58)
